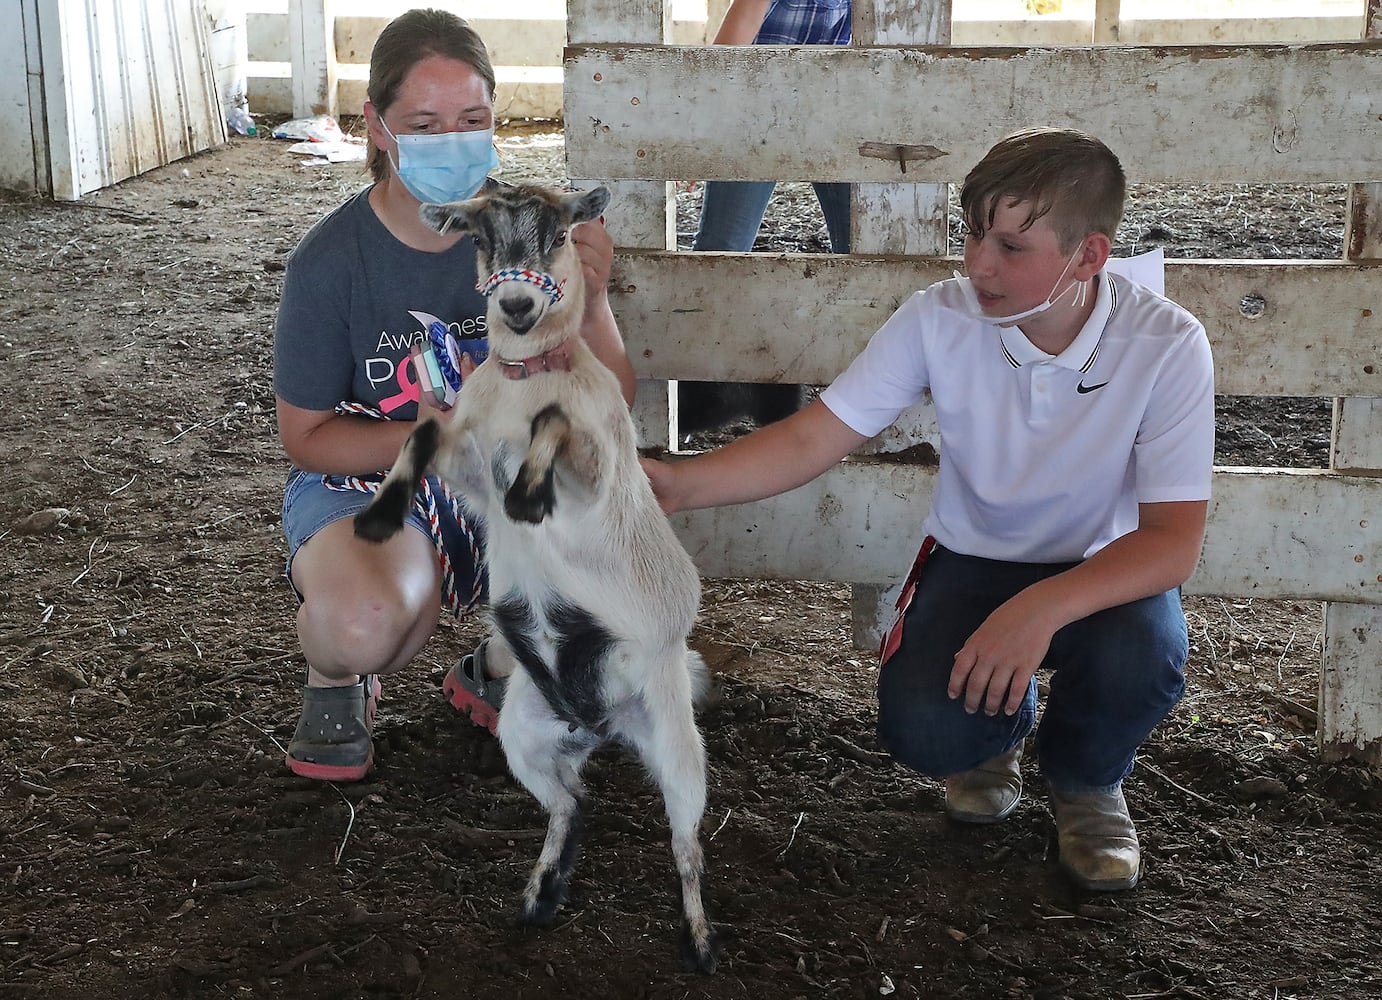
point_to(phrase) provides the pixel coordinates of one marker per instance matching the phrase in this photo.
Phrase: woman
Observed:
(361, 290)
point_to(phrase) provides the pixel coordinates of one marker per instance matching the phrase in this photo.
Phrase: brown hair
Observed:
(1070, 175)
(406, 41)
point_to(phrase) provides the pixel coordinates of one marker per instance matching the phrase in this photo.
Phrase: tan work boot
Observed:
(1098, 844)
(987, 794)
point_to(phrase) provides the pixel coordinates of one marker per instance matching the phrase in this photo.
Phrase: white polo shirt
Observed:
(1044, 459)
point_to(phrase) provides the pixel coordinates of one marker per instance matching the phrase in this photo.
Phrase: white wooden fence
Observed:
(642, 113)
(311, 56)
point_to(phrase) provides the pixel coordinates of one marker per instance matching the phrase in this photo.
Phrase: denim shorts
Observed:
(309, 505)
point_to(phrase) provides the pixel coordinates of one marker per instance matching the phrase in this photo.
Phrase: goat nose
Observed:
(517, 308)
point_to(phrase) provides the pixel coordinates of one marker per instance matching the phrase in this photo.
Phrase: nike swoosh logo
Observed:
(1082, 388)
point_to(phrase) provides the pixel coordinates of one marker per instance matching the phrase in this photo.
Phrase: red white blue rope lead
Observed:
(426, 506)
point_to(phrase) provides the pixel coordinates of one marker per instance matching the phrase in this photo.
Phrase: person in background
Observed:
(361, 290)
(1076, 417)
(732, 211)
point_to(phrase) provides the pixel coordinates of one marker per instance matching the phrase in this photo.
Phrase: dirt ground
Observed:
(152, 842)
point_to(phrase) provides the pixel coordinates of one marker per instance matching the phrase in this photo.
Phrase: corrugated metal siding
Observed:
(115, 88)
(23, 153)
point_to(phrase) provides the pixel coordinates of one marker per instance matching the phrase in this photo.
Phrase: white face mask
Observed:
(977, 311)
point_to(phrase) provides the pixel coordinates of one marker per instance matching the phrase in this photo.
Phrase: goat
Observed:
(592, 592)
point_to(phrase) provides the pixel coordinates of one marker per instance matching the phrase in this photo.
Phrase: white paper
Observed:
(1147, 269)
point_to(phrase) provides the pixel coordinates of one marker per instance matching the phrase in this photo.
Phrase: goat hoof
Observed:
(383, 518)
(373, 527)
(538, 913)
(701, 951)
(528, 508)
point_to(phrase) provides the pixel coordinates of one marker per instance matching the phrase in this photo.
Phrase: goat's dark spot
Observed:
(571, 686)
(582, 645)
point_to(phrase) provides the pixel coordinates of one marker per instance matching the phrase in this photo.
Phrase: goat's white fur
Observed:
(590, 535)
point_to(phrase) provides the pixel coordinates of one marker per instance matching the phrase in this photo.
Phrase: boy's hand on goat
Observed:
(663, 478)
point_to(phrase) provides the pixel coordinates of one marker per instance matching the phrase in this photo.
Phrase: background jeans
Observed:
(1115, 675)
(732, 212)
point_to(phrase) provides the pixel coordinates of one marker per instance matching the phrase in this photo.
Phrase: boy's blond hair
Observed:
(1062, 172)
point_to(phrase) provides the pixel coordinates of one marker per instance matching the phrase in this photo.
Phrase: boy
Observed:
(1076, 416)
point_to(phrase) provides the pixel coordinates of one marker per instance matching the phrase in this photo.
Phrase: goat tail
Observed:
(700, 678)
(383, 518)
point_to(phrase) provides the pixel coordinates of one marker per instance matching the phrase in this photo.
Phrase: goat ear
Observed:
(586, 205)
(453, 217)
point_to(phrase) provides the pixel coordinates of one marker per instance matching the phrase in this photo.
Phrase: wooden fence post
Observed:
(643, 214)
(1107, 16)
(312, 40)
(898, 218)
(1350, 705)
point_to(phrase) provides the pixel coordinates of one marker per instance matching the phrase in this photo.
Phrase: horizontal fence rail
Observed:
(1278, 328)
(1273, 534)
(525, 42)
(1192, 114)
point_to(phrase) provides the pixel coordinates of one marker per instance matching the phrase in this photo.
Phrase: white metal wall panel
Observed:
(129, 84)
(21, 153)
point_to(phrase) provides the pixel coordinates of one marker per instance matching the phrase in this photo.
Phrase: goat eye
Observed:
(560, 239)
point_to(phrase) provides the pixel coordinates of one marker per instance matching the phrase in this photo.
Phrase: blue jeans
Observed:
(1115, 675)
(732, 211)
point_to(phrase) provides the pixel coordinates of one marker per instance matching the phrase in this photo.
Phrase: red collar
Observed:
(557, 359)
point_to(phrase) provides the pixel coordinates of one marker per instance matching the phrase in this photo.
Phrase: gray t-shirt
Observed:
(355, 300)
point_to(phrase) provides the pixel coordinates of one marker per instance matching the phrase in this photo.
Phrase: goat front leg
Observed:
(557, 452)
(383, 518)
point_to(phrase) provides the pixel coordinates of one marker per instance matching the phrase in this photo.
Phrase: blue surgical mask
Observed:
(443, 167)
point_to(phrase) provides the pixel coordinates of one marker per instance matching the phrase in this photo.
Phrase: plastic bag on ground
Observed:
(322, 128)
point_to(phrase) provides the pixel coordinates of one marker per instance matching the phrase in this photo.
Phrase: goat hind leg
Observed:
(550, 880)
(670, 747)
(547, 763)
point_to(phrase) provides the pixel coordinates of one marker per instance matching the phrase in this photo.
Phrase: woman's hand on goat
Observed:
(595, 247)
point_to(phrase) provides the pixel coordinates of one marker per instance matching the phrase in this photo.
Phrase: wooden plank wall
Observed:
(643, 114)
(525, 44)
